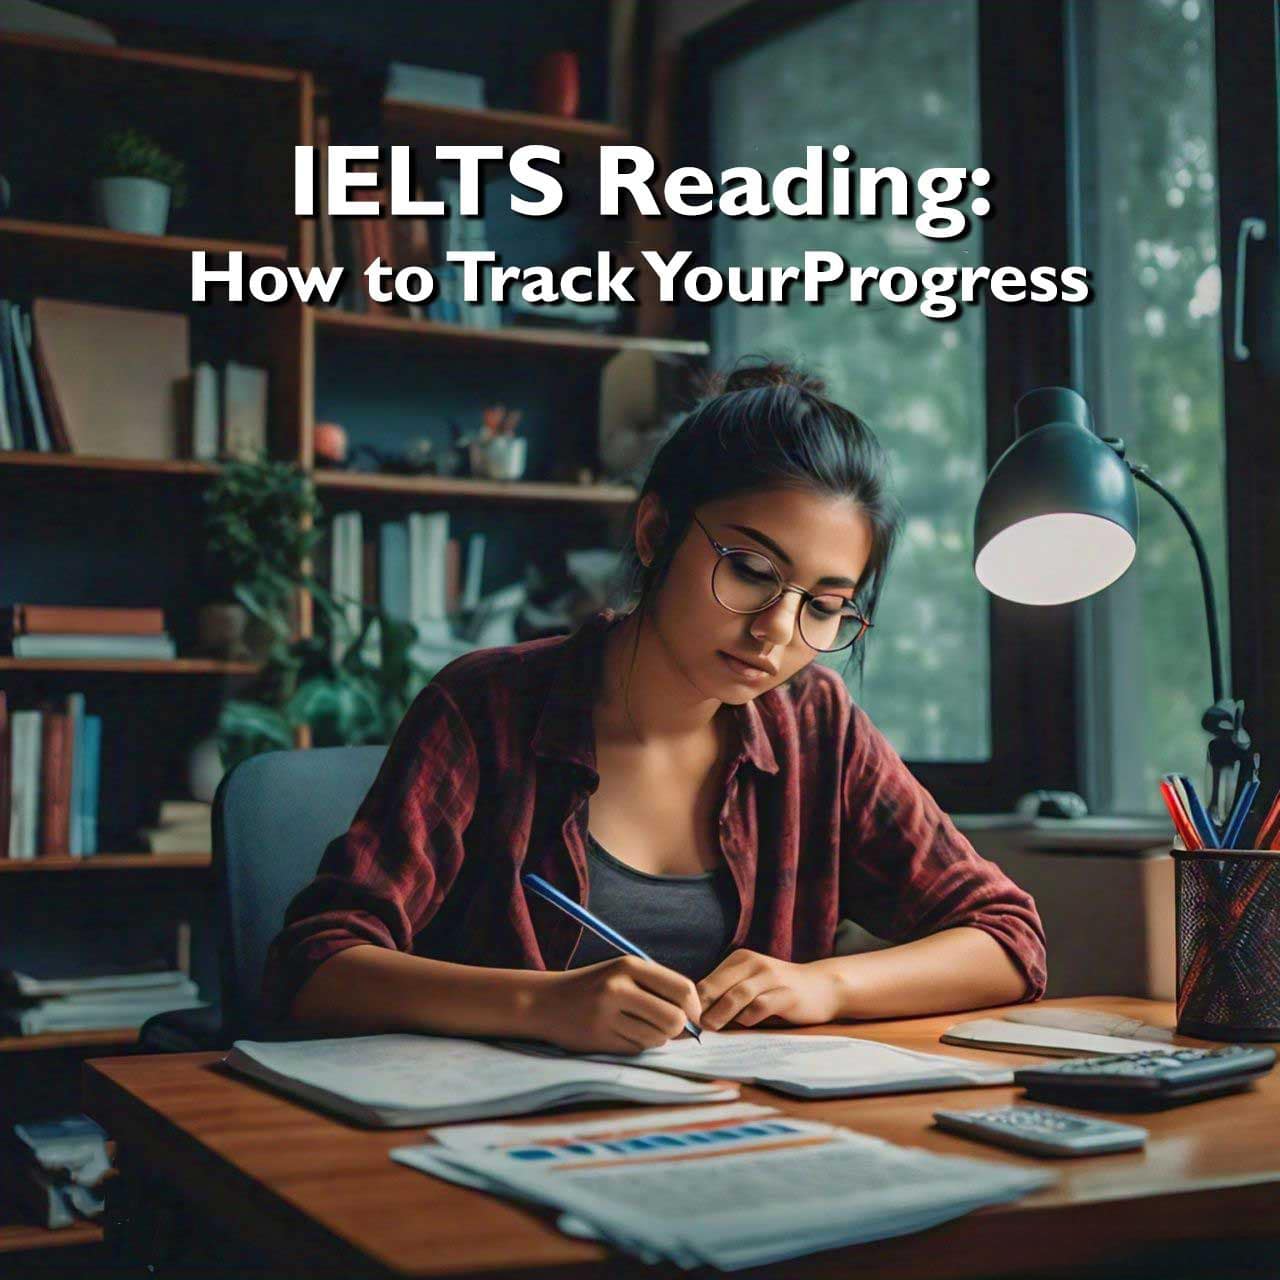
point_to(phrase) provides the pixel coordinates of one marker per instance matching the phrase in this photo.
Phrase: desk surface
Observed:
(326, 1195)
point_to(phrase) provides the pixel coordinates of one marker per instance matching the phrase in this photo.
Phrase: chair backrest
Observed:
(272, 818)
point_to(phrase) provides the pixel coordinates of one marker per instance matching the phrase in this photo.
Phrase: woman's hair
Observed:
(765, 425)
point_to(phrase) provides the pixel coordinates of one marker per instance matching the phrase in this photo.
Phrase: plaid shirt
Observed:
(488, 777)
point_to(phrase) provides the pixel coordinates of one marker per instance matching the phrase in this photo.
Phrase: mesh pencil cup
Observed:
(1228, 929)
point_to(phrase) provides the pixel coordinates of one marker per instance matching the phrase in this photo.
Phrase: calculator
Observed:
(1042, 1131)
(1164, 1077)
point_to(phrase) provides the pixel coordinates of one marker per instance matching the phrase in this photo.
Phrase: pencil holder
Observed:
(1228, 929)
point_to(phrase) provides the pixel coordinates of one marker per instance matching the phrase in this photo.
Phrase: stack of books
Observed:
(62, 631)
(50, 773)
(95, 1002)
(433, 86)
(54, 1170)
(184, 826)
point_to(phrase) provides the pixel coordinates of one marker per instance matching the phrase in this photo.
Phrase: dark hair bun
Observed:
(767, 373)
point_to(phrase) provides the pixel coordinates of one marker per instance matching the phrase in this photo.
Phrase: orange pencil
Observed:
(1270, 825)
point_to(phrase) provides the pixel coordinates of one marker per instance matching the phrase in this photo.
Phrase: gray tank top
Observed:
(683, 922)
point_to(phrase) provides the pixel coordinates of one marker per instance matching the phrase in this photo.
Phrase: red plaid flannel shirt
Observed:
(489, 774)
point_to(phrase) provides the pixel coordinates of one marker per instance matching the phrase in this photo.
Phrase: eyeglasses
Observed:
(747, 581)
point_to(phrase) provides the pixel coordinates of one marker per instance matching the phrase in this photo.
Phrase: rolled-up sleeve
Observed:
(906, 871)
(385, 878)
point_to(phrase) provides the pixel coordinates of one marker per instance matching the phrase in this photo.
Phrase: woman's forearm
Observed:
(961, 968)
(369, 989)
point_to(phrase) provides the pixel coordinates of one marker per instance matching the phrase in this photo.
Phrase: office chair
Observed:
(273, 815)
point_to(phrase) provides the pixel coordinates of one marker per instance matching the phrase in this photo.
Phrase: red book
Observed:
(55, 786)
(53, 619)
(6, 774)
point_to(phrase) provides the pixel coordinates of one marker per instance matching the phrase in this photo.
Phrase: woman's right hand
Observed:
(616, 1006)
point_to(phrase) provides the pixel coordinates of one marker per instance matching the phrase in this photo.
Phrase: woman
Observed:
(687, 771)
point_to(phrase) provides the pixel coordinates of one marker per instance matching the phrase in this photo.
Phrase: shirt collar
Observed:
(565, 730)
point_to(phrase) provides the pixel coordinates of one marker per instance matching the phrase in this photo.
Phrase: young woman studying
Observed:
(686, 771)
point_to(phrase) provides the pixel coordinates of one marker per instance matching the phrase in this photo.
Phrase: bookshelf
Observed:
(249, 119)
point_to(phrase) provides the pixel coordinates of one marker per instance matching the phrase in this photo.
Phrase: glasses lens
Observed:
(830, 622)
(744, 581)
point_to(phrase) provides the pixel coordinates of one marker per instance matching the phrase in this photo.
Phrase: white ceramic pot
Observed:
(132, 204)
(507, 456)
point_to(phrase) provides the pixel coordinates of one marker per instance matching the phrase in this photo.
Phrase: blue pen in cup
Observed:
(536, 884)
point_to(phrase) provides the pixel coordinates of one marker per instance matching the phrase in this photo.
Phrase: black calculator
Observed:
(1165, 1077)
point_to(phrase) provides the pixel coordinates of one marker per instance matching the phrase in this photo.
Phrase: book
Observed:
(9, 377)
(393, 569)
(325, 240)
(433, 86)
(397, 1080)
(94, 646)
(58, 432)
(114, 375)
(244, 411)
(428, 607)
(31, 985)
(91, 780)
(55, 785)
(345, 573)
(204, 413)
(6, 774)
(32, 619)
(26, 733)
(102, 1015)
(1064, 1041)
(474, 571)
(7, 439)
(75, 823)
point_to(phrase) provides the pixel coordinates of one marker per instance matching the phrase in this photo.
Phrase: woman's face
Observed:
(819, 543)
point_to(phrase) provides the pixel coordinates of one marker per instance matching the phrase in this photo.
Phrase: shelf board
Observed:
(157, 58)
(597, 346)
(111, 862)
(21, 1237)
(114, 468)
(135, 666)
(55, 240)
(425, 122)
(519, 492)
(117, 1037)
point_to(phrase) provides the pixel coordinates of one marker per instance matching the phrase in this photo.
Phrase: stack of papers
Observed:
(727, 1187)
(814, 1066)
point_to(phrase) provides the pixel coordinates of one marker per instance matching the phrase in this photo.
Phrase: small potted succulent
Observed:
(136, 182)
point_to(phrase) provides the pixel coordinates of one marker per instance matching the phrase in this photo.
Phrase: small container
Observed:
(1228, 930)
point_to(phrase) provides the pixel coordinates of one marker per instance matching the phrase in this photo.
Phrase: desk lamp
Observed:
(1058, 521)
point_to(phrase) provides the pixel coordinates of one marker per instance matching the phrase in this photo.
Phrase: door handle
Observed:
(1250, 229)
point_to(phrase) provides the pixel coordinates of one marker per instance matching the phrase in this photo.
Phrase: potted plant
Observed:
(136, 182)
(260, 527)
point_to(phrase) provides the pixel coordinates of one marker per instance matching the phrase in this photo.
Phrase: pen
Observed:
(1199, 815)
(1232, 833)
(597, 926)
(1181, 823)
(1270, 824)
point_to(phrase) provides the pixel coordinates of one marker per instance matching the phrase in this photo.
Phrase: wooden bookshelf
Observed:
(109, 469)
(424, 122)
(109, 862)
(451, 489)
(596, 346)
(135, 666)
(118, 1037)
(22, 1237)
(47, 241)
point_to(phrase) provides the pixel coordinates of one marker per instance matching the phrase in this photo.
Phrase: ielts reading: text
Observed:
(825, 186)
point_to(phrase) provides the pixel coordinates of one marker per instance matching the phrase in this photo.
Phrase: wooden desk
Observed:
(324, 1195)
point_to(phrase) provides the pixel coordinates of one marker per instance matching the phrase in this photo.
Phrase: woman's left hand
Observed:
(747, 988)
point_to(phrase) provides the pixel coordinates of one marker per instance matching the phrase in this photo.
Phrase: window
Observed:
(1149, 354)
(896, 81)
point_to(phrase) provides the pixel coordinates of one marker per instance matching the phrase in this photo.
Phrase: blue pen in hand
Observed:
(536, 884)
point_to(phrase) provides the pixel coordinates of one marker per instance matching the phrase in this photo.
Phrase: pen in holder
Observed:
(1228, 932)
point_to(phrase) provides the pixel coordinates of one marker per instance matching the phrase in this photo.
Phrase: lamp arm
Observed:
(1206, 579)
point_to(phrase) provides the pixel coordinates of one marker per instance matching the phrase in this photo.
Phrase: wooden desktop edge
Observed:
(1024, 1236)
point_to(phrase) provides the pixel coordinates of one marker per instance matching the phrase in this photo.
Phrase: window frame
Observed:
(1022, 109)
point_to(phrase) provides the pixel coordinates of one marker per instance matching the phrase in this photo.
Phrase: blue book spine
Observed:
(75, 713)
(91, 776)
(12, 397)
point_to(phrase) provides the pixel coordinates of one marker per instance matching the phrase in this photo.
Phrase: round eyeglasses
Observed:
(747, 581)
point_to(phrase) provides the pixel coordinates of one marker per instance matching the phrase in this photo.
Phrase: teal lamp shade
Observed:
(1058, 516)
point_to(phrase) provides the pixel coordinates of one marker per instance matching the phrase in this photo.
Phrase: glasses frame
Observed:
(783, 587)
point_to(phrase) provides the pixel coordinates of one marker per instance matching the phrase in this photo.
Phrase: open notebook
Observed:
(391, 1081)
